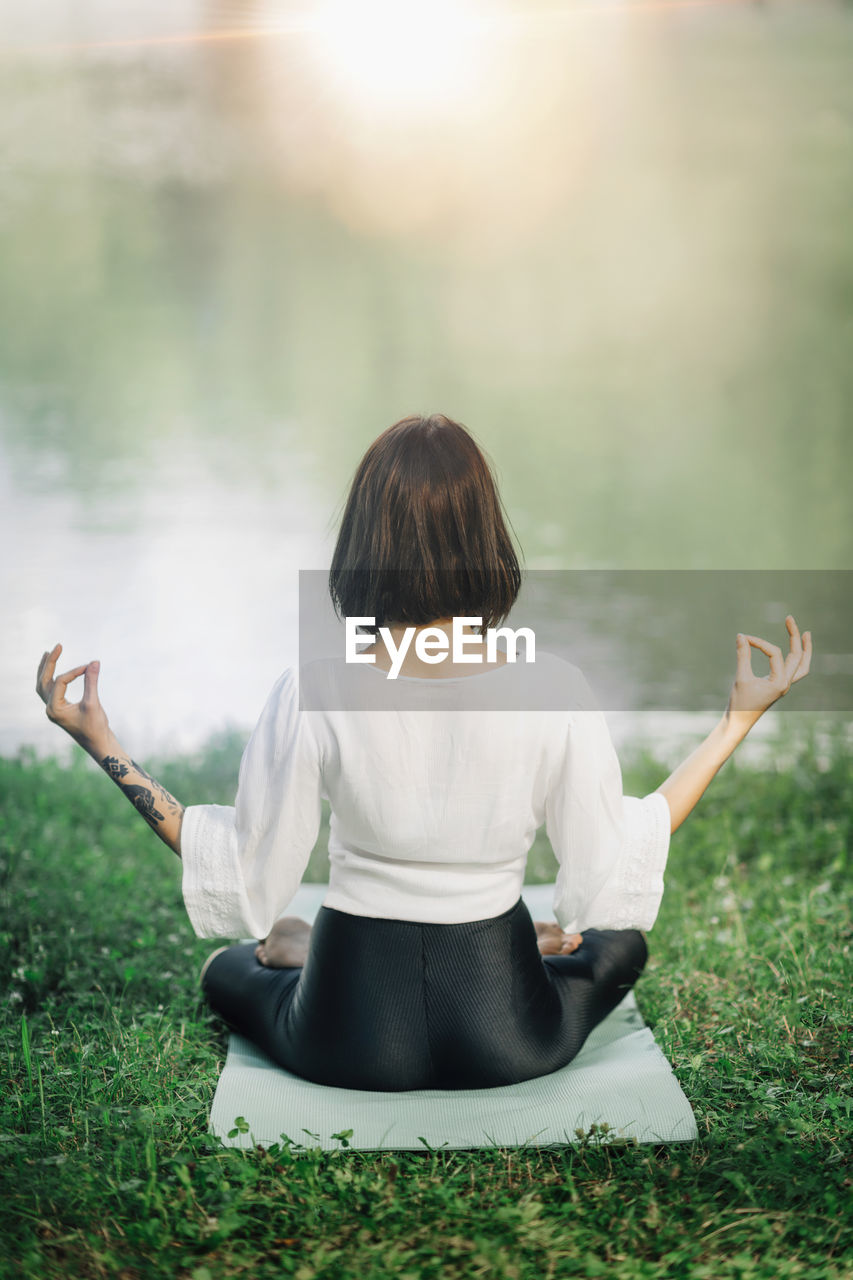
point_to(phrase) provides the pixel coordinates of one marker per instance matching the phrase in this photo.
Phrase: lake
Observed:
(237, 243)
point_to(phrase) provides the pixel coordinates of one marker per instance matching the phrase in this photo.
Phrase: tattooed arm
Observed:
(161, 811)
(87, 723)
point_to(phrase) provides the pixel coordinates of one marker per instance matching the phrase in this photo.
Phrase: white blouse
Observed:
(433, 811)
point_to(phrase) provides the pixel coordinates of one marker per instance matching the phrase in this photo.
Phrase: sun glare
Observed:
(408, 54)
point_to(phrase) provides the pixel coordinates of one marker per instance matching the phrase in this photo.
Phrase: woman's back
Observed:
(437, 789)
(436, 797)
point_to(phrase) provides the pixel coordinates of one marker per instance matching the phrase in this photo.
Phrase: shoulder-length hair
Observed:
(422, 535)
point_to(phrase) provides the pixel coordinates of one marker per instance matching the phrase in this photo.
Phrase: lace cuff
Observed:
(632, 896)
(212, 884)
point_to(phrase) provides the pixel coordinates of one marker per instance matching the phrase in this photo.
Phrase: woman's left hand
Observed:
(86, 721)
(751, 695)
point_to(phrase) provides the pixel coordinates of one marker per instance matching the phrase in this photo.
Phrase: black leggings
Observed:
(393, 1004)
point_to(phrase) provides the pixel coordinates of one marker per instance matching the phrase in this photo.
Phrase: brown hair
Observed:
(422, 534)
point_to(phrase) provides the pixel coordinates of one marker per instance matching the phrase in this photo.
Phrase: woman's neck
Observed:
(407, 634)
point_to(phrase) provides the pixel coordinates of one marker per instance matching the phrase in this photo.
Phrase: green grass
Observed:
(109, 1062)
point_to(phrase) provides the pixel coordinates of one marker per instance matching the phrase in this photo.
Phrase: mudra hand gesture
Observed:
(86, 721)
(751, 695)
(749, 698)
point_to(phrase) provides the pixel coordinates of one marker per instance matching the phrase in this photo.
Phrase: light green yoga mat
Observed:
(620, 1079)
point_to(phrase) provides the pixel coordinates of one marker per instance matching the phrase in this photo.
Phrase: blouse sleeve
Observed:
(611, 849)
(243, 864)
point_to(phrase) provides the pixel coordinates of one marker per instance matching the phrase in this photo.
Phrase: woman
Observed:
(424, 969)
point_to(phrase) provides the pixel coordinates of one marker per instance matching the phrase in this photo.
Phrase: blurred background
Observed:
(238, 241)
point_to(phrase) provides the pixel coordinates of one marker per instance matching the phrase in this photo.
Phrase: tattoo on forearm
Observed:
(139, 769)
(143, 801)
(114, 767)
(142, 798)
(160, 791)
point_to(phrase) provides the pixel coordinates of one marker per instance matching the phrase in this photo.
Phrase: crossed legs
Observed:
(286, 946)
(386, 1004)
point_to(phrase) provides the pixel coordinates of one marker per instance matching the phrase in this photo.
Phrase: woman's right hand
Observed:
(86, 721)
(750, 694)
(554, 941)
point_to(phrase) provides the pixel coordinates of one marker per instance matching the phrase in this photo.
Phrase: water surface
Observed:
(623, 261)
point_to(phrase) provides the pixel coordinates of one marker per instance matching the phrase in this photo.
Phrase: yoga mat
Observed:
(620, 1078)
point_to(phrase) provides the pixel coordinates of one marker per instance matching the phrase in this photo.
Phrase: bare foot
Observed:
(287, 944)
(553, 941)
